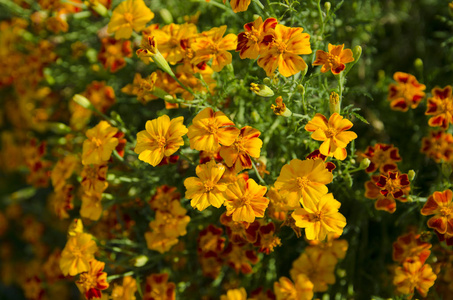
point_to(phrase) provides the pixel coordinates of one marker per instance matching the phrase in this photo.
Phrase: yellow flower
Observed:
(162, 137)
(249, 41)
(284, 49)
(333, 132)
(94, 179)
(157, 287)
(92, 282)
(99, 145)
(206, 190)
(245, 200)
(302, 289)
(91, 206)
(414, 275)
(334, 60)
(300, 181)
(212, 45)
(320, 217)
(77, 253)
(280, 109)
(235, 294)
(239, 5)
(125, 291)
(209, 130)
(127, 16)
(63, 170)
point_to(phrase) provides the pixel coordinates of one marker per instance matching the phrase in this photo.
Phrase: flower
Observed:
(334, 60)
(212, 45)
(157, 287)
(440, 106)
(440, 205)
(239, 5)
(91, 206)
(112, 53)
(320, 217)
(382, 157)
(246, 145)
(387, 202)
(261, 90)
(63, 170)
(94, 179)
(206, 189)
(285, 46)
(126, 291)
(162, 137)
(77, 254)
(164, 198)
(249, 41)
(127, 16)
(239, 258)
(438, 146)
(209, 130)
(235, 294)
(394, 184)
(408, 92)
(410, 247)
(99, 145)
(333, 133)
(245, 200)
(414, 275)
(302, 289)
(91, 283)
(300, 180)
(280, 109)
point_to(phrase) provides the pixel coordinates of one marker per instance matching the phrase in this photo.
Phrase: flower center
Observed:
(214, 48)
(129, 18)
(112, 50)
(317, 216)
(239, 145)
(242, 201)
(253, 35)
(161, 141)
(330, 132)
(333, 60)
(97, 142)
(87, 281)
(281, 47)
(301, 182)
(208, 186)
(445, 211)
(211, 127)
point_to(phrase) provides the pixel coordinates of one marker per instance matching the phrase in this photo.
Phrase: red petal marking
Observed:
(404, 180)
(397, 194)
(382, 181)
(248, 26)
(442, 93)
(269, 23)
(399, 104)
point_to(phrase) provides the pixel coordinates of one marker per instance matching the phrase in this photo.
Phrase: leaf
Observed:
(359, 117)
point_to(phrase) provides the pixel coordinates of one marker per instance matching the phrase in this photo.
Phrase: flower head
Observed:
(127, 16)
(162, 137)
(209, 130)
(408, 92)
(440, 205)
(302, 289)
(206, 190)
(77, 254)
(334, 60)
(239, 5)
(394, 184)
(91, 283)
(280, 109)
(333, 133)
(414, 275)
(410, 247)
(112, 53)
(383, 157)
(158, 288)
(440, 107)
(99, 145)
(249, 41)
(235, 294)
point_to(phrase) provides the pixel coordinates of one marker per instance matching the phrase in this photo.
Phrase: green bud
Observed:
(301, 89)
(418, 64)
(82, 101)
(365, 163)
(357, 52)
(267, 80)
(139, 261)
(411, 175)
(59, 128)
(165, 14)
(327, 6)
(261, 90)
(169, 98)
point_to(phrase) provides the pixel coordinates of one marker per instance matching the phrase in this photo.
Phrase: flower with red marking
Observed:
(394, 184)
(440, 205)
(440, 107)
(249, 41)
(387, 202)
(333, 133)
(438, 146)
(410, 247)
(112, 53)
(334, 60)
(157, 287)
(239, 258)
(91, 283)
(408, 92)
(383, 157)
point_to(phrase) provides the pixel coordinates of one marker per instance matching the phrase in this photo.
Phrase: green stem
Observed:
(258, 174)
(321, 19)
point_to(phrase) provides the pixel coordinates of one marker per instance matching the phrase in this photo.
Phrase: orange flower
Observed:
(209, 130)
(206, 190)
(333, 132)
(164, 197)
(245, 200)
(414, 275)
(63, 170)
(210, 240)
(141, 87)
(94, 179)
(158, 288)
(407, 92)
(410, 247)
(235, 294)
(61, 201)
(212, 45)
(382, 157)
(440, 205)
(77, 254)
(239, 258)
(246, 144)
(280, 109)
(438, 146)
(91, 206)
(112, 53)
(440, 106)
(300, 181)
(284, 49)
(302, 289)
(249, 41)
(162, 137)
(239, 5)
(126, 291)
(394, 184)
(320, 217)
(387, 202)
(334, 60)
(91, 283)
(99, 145)
(127, 16)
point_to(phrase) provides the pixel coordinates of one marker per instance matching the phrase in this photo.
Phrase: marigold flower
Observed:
(112, 53)
(440, 205)
(302, 289)
(249, 41)
(320, 217)
(408, 92)
(57, 24)
(394, 183)
(162, 137)
(382, 157)
(164, 197)
(280, 109)
(63, 170)
(127, 16)
(414, 275)
(246, 145)
(239, 5)
(239, 258)
(209, 130)
(212, 45)
(94, 179)
(266, 239)
(206, 190)
(317, 266)
(334, 60)
(285, 46)
(210, 240)
(245, 200)
(140, 87)
(333, 133)
(410, 247)
(332, 245)
(438, 146)
(300, 181)
(235, 294)
(91, 283)
(99, 145)
(77, 253)
(440, 107)
(387, 202)
(158, 288)
(126, 291)
(91, 206)
(61, 201)
(239, 232)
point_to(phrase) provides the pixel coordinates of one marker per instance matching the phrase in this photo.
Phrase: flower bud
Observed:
(59, 128)
(357, 52)
(261, 90)
(301, 89)
(327, 6)
(82, 101)
(165, 14)
(411, 175)
(365, 163)
(139, 261)
(334, 103)
(280, 109)
(418, 64)
(267, 80)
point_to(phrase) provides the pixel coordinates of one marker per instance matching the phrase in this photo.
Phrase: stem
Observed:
(258, 174)
(321, 18)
